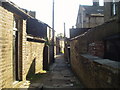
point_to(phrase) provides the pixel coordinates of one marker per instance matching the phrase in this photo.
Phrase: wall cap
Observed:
(106, 62)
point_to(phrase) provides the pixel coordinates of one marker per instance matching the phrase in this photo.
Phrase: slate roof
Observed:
(7, 4)
(93, 9)
(36, 28)
(77, 31)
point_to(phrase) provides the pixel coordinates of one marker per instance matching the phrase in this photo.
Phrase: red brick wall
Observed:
(96, 48)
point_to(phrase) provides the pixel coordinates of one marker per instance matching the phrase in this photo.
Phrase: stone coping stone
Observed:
(90, 57)
(107, 62)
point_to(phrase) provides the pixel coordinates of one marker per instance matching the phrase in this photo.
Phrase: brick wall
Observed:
(6, 26)
(96, 49)
(24, 49)
(34, 51)
(28, 51)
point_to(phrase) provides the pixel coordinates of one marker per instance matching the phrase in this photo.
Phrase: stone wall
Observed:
(90, 16)
(93, 21)
(95, 72)
(108, 12)
(86, 57)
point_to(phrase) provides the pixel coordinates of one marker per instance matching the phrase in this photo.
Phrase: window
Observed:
(114, 8)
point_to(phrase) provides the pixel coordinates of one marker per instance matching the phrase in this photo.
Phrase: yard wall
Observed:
(87, 57)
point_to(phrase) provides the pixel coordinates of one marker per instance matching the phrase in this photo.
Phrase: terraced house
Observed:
(21, 50)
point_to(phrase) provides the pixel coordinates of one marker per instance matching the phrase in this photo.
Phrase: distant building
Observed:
(90, 16)
(62, 45)
(59, 45)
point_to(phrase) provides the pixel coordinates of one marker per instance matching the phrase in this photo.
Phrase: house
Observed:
(57, 46)
(60, 43)
(21, 49)
(90, 16)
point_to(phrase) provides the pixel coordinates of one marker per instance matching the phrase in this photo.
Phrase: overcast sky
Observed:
(65, 11)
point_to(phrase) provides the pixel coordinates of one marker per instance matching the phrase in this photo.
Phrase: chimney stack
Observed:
(95, 2)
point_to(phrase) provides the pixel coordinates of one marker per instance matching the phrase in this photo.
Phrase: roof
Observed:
(93, 9)
(77, 31)
(36, 28)
(7, 4)
(16, 9)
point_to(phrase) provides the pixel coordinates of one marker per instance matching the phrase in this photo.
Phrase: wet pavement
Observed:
(59, 76)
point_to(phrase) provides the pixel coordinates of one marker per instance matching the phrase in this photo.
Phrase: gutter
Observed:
(7, 4)
(35, 39)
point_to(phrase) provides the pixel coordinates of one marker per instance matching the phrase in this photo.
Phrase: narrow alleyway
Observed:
(59, 76)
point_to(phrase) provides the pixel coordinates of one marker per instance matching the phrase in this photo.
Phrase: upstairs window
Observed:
(114, 8)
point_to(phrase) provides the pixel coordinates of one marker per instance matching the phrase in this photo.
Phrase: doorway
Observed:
(16, 50)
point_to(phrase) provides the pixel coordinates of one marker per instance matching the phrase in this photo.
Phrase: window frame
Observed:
(113, 8)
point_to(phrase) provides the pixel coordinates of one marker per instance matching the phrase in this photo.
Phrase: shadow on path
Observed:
(59, 76)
